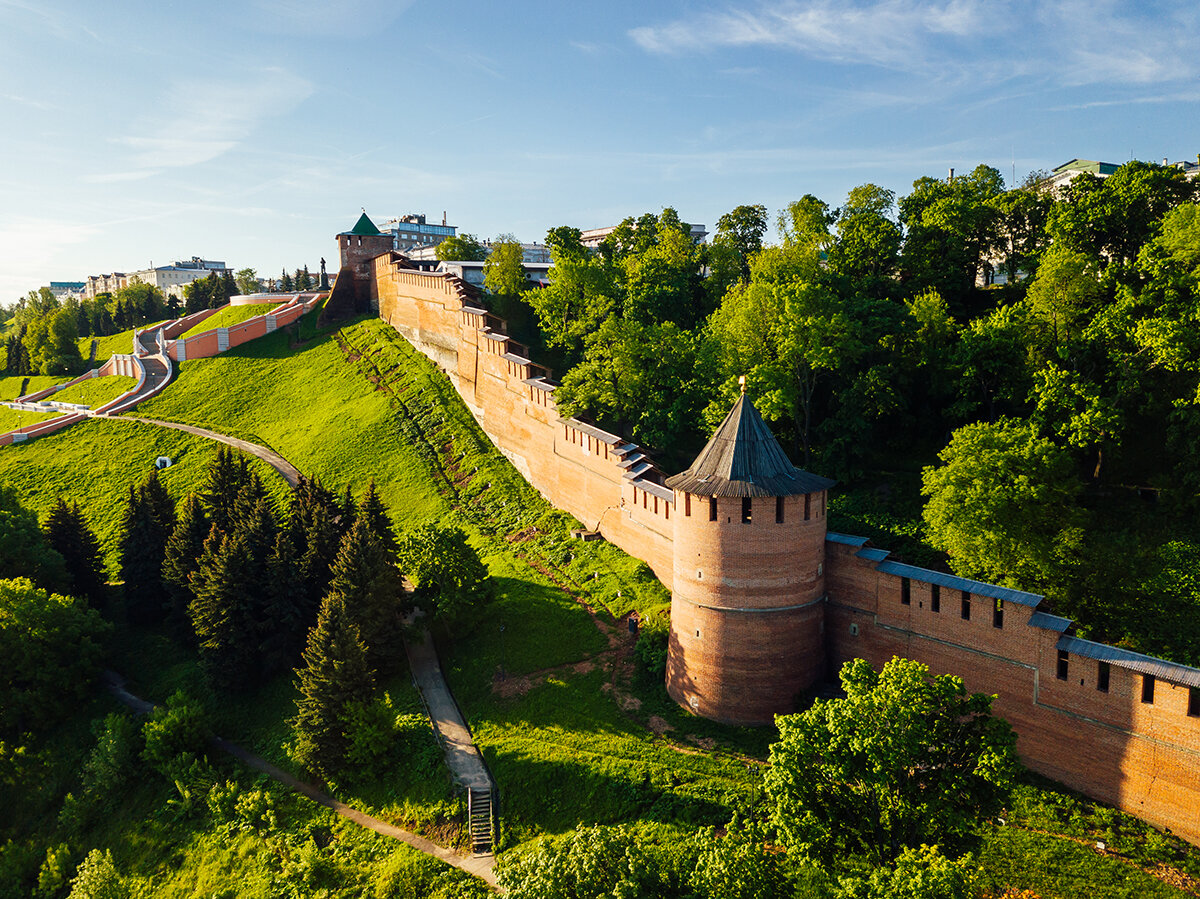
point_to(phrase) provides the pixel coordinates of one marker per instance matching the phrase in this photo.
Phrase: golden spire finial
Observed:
(742, 383)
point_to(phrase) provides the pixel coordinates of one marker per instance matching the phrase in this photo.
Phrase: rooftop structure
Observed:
(743, 458)
(593, 237)
(413, 230)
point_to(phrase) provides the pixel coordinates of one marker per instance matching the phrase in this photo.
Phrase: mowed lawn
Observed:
(11, 419)
(95, 391)
(310, 406)
(10, 385)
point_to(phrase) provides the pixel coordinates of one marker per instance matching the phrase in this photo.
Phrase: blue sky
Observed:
(253, 131)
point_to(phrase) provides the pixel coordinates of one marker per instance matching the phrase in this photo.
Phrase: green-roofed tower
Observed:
(357, 249)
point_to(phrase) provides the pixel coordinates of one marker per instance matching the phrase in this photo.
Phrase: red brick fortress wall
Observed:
(1143, 757)
(830, 599)
(606, 483)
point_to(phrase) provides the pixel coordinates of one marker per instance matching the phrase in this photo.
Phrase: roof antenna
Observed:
(742, 383)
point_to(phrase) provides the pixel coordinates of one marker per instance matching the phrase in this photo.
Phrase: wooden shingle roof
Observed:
(743, 458)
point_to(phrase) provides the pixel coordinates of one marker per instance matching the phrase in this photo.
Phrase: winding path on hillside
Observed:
(480, 866)
(290, 473)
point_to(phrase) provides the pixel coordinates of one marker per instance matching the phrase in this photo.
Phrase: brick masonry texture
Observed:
(763, 611)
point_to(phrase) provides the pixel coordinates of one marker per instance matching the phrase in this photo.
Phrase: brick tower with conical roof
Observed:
(747, 613)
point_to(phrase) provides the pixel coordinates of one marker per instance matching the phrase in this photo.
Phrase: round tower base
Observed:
(744, 666)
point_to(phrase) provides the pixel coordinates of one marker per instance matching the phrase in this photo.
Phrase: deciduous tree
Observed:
(902, 760)
(1003, 504)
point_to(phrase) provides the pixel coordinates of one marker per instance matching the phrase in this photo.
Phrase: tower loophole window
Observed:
(1148, 689)
(1102, 676)
(966, 606)
(905, 592)
(746, 511)
(1064, 661)
(935, 597)
(712, 508)
(779, 510)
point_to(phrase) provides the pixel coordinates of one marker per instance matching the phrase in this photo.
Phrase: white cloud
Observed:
(1071, 41)
(888, 33)
(204, 119)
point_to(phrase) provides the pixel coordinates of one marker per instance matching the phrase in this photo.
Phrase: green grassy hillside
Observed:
(95, 462)
(11, 419)
(544, 674)
(96, 391)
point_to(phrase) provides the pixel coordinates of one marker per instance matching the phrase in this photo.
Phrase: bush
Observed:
(176, 734)
(97, 878)
(383, 738)
(105, 773)
(653, 634)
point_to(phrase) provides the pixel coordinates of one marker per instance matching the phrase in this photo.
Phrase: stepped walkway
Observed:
(481, 867)
(462, 756)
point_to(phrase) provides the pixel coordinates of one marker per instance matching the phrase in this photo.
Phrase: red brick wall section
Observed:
(1143, 758)
(576, 467)
(732, 665)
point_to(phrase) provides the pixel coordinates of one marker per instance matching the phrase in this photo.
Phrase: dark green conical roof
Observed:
(743, 458)
(364, 227)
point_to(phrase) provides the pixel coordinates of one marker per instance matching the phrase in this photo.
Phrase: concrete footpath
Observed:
(480, 866)
(290, 473)
(462, 758)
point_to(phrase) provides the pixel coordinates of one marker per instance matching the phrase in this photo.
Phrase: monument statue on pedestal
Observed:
(324, 285)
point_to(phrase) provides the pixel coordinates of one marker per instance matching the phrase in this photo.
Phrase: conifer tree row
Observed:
(67, 533)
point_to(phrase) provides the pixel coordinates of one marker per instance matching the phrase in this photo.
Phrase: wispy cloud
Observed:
(887, 33)
(1071, 41)
(208, 118)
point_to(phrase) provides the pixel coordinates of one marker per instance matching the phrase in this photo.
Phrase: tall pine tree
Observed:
(148, 522)
(369, 584)
(222, 613)
(285, 282)
(181, 557)
(67, 533)
(379, 523)
(315, 526)
(285, 618)
(334, 677)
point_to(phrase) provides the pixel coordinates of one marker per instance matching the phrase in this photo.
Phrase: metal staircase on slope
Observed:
(482, 818)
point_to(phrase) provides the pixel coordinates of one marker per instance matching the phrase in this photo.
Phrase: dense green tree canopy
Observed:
(461, 248)
(1002, 504)
(902, 760)
(51, 646)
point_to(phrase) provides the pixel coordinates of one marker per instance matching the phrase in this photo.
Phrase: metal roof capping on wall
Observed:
(1134, 661)
(976, 588)
(1049, 622)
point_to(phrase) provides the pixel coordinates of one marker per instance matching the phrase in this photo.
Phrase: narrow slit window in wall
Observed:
(745, 510)
(1148, 689)
(905, 592)
(779, 510)
(1102, 675)
(1194, 702)
(966, 606)
(807, 504)
(687, 505)
(935, 597)
(1063, 664)
(712, 508)
(998, 614)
